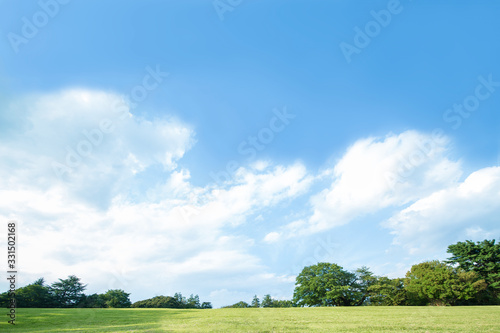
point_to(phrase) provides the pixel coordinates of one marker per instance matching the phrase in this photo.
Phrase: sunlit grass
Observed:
(353, 319)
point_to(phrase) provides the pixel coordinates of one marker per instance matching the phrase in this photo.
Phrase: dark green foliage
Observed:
(267, 301)
(175, 302)
(482, 258)
(387, 292)
(193, 302)
(255, 302)
(240, 304)
(68, 292)
(159, 302)
(326, 284)
(117, 299)
(92, 301)
(436, 283)
(206, 305)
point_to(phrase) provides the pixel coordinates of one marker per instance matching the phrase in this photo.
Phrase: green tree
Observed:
(255, 302)
(159, 302)
(385, 291)
(68, 292)
(182, 300)
(206, 305)
(92, 301)
(240, 304)
(482, 258)
(436, 283)
(267, 301)
(282, 304)
(117, 299)
(193, 302)
(35, 295)
(326, 284)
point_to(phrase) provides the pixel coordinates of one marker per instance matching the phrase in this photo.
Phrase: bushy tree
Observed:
(326, 284)
(117, 299)
(436, 283)
(193, 302)
(240, 304)
(482, 258)
(206, 305)
(255, 302)
(385, 291)
(267, 301)
(68, 292)
(159, 302)
(92, 301)
(34, 295)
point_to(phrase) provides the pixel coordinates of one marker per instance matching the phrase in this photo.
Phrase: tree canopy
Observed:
(482, 258)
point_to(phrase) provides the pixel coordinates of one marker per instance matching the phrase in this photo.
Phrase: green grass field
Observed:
(354, 319)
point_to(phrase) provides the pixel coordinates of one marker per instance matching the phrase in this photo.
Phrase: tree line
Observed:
(267, 302)
(471, 276)
(69, 293)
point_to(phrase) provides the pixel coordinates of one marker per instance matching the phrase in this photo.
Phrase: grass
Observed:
(354, 319)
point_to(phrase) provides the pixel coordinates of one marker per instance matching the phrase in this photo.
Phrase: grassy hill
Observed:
(352, 319)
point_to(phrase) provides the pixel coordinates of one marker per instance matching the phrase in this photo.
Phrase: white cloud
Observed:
(459, 211)
(376, 173)
(171, 230)
(90, 140)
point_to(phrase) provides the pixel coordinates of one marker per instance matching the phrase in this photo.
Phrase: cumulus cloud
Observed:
(376, 173)
(88, 141)
(172, 230)
(454, 213)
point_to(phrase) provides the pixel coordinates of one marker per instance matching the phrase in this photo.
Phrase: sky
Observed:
(218, 147)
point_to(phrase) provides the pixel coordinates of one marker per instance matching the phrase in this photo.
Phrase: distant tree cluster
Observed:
(65, 293)
(267, 302)
(471, 276)
(69, 293)
(175, 302)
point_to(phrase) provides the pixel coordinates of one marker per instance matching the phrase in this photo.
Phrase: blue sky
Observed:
(380, 157)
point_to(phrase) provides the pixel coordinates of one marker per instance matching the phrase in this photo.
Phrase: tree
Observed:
(159, 302)
(482, 258)
(267, 301)
(255, 302)
(182, 300)
(240, 304)
(385, 291)
(117, 299)
(282, 304)
(35, 295)
(326, 284)
(193, 302)
(68, 292)
(206, 305)
(92, 301)
(434, 282)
